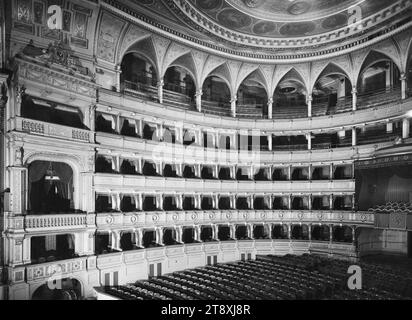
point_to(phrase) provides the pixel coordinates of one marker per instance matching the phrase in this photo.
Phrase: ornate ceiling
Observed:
(286, 18)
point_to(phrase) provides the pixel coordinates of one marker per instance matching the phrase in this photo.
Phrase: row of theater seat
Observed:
(269, 278)
(393, 207)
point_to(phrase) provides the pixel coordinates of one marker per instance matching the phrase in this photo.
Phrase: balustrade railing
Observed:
(58, 221)
(49, 129)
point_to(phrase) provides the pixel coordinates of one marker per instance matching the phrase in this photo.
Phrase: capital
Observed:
(270, 101)
(354, 90)
(199, 93)
(234, 99)
(403, 77)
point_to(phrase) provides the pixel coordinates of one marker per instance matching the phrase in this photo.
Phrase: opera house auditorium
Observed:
(205, 149)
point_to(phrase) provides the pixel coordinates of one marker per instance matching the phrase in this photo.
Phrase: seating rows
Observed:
(271, 278)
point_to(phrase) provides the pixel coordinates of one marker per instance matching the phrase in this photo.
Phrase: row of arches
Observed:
(332, 91)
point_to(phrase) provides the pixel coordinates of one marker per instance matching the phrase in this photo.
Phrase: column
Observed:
(331, 171)
(310, 232)
(269, 230)
(389, 127)
(198, 96)
(354, 137)
(310, 171)
(233, 105)
(353, 234)
(179, 169)
(216, 171)
(139, 128)
(405, 128)
(139, 238)
(160, 85)
(270, 142)
(118, 70)
(249, 227)
(179, 201)
(215, 201)
(290, 173)
(232, 229)
(233, 202)
(403, 86)
(215, 232)
(331, 233)
(92, 117)
(309, 138)
(309, 101)
(310, 201)
(118, 123)
(269, 172)
(198, 198)
(233, 172)
(353, 202)
(290, 202)
(234, 143)
(179, 234)
(331, 202)
(388, 77)
(270, 108)
(139, 201)
(270, 202)
(354, 99)
(115, 240)
(250, 202)
(289, 231)
(159, 236)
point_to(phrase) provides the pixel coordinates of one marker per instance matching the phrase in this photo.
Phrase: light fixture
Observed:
(51, 174)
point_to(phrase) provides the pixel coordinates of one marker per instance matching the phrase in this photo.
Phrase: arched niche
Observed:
(179, 80)
(138, 73)
(379, 76)
(216, 96)
(252, 97)
(332, 91)
(290, 97)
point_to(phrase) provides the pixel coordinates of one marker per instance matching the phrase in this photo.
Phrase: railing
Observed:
(56, 269)
(59, 221)
(378, 97)
(54, 130)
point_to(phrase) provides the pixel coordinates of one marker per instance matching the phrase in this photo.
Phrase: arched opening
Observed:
(207, 203)
(102, 243)
(149, 239)
(224, 173)
(52, 248)
(128, 128)
(169, 171)
(241, 233)
(300, 232)
(224, 233)
(242, 203)
(280, 203)
(188, 235)
(51, 188)
(70, 289)
(342, 172)
(321, 173)
(224, 203)
(289, 100)
(300, 174)
(127, 204)
(216, 97)
(252, 98)
(280, 174)
(105, 123)
(260, 232)
(169, 237)
(189, 137)
(149, 132)
(321, 233)
(51, 112)
(104, 164)
(139, 75)
(280, 232)
(342, 203)
(259, 203)
(342, 234)
(179, 86)
(261, 174)
(169, 203)
(104, 203)
(320, 203)
(149, 169)
(332, 92)
(127, 167)
(207, 173)
(149, 203)
(189, 203)
(206, 234)
(127, 241)
(242, 174)
(379, 81)
(189, 172)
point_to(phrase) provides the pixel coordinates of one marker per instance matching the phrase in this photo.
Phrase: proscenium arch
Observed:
(71, 161)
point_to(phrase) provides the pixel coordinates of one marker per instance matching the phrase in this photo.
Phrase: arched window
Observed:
(51, 187)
